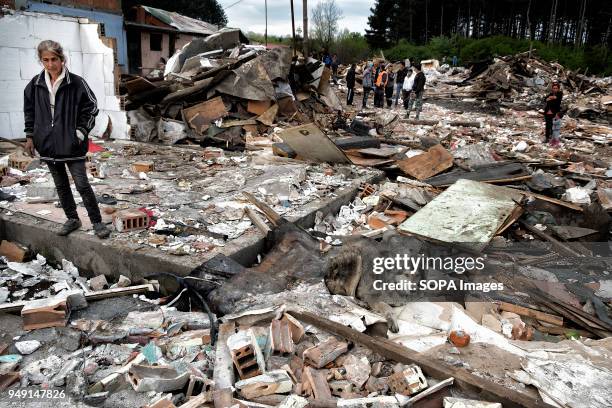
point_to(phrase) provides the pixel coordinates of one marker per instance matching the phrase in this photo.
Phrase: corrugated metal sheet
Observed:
(182, 23)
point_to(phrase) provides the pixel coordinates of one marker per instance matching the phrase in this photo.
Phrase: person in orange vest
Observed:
(379, 92)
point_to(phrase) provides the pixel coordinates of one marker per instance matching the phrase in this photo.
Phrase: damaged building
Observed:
(273, 247)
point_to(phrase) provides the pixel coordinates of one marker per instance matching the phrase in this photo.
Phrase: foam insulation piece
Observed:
(86, 56)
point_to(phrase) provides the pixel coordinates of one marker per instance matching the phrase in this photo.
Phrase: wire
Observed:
(232, 5)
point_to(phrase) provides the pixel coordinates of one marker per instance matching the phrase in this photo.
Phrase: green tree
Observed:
(351, 47)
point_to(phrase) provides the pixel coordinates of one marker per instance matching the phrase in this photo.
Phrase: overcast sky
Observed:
(249, 15)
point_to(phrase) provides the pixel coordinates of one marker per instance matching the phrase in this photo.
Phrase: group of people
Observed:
(409, 82)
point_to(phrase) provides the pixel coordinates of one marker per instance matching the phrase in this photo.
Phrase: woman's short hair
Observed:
(51, 46)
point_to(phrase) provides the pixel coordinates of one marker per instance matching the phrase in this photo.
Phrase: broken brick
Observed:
(130, 220)
(9, 378)
(19, 162)
(326, 352)
(12, 251)
(92, 168)
(281, 340)
(341, 388)
(98, 283)
(317, 383)
(246, 354)
(409, 381)
(272, 382)
(143, 166)
(296, 328)
(41, 313)
(200, 386)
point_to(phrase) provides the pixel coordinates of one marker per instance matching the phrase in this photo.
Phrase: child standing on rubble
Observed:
(60, 111)
(552, 111)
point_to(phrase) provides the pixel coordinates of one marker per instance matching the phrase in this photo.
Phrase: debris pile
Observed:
(337, 259)
(523, 79)
(222, 93)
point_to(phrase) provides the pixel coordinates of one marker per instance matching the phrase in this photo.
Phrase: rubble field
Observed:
(452, 261)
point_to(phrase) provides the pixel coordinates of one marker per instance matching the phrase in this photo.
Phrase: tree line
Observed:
(565, 22)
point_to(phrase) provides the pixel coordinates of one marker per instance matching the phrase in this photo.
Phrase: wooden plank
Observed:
(206, 111)
(420, 122)
(102, 294)
(367, 162)
(267, 118)
(563, 331)
(223, 374)
(568, 232)
(536, 314)
(562, 203)
(258, 107)
(605, 198)
(382, 152)
(310, 143)
(595, 322)
(138, 85)
(256, 219)
(270, 214)
(557, 244)
(574, 318)
(434, 161)
(487, 389)
(496, 172)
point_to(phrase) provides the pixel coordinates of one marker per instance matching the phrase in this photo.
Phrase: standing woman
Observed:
(60, 111)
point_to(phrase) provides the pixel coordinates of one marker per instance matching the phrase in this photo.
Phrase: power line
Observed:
(232, 5)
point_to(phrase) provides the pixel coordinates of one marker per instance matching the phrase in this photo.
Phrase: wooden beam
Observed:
(536, 314)
(557, 244)
(488, 390)
(542, 197)
(256, 219)
(223, 374)
(101, 294)
(270, 214)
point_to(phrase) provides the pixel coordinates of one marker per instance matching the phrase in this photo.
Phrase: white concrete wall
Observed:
(87, 56)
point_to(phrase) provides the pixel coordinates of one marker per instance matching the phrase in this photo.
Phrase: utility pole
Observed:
(305, 23)
(266, 32)
(293, 28)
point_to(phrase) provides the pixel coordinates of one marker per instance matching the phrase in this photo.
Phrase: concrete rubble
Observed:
(271, 216)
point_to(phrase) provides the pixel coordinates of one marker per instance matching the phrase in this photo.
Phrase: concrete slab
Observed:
(132, 255)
